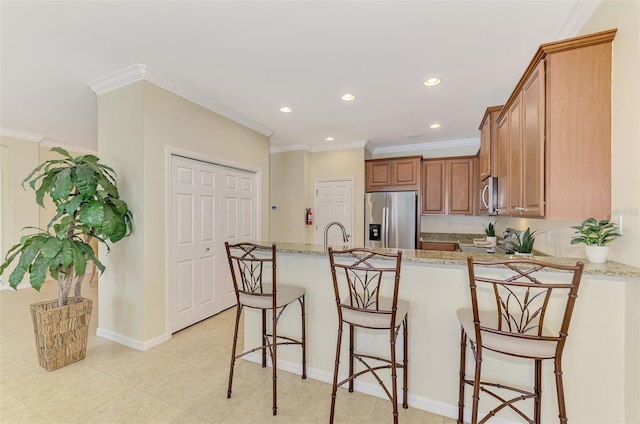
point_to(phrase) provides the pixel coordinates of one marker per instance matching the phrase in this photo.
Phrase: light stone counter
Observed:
(609, 269)
(601, 358)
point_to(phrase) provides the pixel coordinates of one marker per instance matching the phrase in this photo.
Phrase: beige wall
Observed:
(293, 180)
(136, 123)
(291, 195)
(18, 208)
(625, 172)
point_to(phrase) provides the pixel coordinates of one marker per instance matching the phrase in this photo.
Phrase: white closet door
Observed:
(210, 204)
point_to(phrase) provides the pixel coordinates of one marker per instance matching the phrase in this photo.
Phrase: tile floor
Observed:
(181, 381)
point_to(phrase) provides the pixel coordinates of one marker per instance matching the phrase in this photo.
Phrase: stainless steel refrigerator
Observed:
(391, 219)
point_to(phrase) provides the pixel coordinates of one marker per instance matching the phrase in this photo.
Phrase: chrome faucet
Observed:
(509, 236)
(510, 232)
(345, 236)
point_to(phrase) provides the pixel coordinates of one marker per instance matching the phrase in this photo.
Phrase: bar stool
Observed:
(358, 275)
(247, 262)
(518, 308)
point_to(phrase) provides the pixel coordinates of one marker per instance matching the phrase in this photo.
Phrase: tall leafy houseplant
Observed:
(595, 233)
(88, 206)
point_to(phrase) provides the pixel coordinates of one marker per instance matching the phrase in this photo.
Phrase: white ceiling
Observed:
(253, 57)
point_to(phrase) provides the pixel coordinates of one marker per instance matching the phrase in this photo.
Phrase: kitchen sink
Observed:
(470, 248)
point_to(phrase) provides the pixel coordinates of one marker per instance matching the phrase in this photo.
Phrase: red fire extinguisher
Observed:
(309, 220)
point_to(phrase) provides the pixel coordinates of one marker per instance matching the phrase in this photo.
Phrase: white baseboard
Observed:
(132, 343)
(418, 402)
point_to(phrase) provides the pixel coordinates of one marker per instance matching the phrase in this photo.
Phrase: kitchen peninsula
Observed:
(600, 349)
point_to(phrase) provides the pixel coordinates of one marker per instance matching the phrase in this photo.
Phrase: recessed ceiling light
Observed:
(434, 126)
(286, 109)
(329, 139)
(348, 97)
(432, 81)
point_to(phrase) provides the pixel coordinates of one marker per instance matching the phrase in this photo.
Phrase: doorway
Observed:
(210, 204)
(334, 202)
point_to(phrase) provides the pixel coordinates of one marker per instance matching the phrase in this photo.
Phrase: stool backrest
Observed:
(249, 262)
(357, 280)
(527, 299)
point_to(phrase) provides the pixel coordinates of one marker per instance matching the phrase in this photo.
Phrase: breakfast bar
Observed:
(601, 359)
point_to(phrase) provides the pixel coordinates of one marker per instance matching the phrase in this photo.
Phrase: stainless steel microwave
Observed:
(489, 196)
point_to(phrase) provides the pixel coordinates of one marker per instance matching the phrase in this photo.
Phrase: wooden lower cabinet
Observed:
(443, 247)
(448, 186)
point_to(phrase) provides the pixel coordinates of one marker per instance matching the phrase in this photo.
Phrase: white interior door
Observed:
(210, 204)
(334, 202)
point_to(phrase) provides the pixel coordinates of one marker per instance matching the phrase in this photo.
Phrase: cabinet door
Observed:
(433, 187)
(485, 149)
(515, 157)
(460, 186)
(378, 175)
(406, 172)
(533, 121)
(502, 156)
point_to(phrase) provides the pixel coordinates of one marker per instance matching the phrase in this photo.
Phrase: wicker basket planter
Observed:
(61, 332)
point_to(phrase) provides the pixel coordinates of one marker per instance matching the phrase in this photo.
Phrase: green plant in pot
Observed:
(523, 242)
(88, 207)
(490, 231)
(595, 235)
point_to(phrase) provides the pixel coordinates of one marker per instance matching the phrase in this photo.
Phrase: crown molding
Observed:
(322, 148)
(141, 72)
(578, 16)
(21, 135)
(68, 147)
(467, 142)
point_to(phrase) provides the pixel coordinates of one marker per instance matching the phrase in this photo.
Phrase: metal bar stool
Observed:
(247, 262)
(519, 308)
(357, 278)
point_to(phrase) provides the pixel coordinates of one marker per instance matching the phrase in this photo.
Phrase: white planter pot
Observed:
(493, 240)
(597, 254)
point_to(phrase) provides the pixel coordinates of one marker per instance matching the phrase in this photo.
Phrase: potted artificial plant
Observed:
(523, 243)
(595, 235)
(88, 206)
(490, 231)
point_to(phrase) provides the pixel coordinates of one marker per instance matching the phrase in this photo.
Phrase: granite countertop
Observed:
(450, 237)
(610, 269)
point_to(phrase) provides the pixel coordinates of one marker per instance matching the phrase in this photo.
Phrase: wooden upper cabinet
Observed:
(378, 174)
(433, 187)
(448, 186)
(460, 187)
(503, 165)
(488, 139)
(557, 127)
(533, 121)
(393, 174)
(406, 171)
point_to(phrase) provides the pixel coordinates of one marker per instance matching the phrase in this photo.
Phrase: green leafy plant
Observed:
(490, 230)
(88, 206)
(523, 243)
(595, 233)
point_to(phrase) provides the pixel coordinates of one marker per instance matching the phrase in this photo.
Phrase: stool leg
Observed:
(233, 349)
(334, 389)
(264, 340)
(274, 361)
(351, 348)
(560, 390)
(463, 364)
(394, 375)
(405, 363)
(476, 384)
(537, 389)
(304, 340)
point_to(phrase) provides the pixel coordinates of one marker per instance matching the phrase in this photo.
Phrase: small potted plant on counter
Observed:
(523, 242)
(595, 235)
(490, 231)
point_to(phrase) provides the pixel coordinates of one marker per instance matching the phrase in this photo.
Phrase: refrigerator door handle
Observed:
(384, 228)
